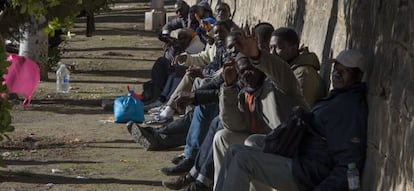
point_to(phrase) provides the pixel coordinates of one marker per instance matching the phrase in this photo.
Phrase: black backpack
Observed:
(286, 138)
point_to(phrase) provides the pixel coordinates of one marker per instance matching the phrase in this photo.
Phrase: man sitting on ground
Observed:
(340, 121)
(305, 65)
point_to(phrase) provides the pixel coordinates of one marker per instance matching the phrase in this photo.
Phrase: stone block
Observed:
(154, 20)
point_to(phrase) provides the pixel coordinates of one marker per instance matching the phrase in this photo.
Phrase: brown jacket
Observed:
(306, 67)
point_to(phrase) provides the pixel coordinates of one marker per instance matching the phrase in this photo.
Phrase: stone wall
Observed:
(384, 31)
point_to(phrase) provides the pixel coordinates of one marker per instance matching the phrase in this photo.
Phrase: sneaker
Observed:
(179, 183)
(183, 167)
(156, 103)
(156, 110)
(196, 186)
(158, 119)
(177, 159)
(143, 136)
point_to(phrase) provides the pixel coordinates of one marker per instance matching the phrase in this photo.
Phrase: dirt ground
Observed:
(84, 152)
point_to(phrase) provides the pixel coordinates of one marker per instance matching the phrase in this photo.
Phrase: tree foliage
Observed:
(5, 118)
(59, 14)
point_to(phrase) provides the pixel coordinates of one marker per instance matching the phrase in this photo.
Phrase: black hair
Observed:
(225, 5)
(287, 34)
(263, 32)
(180, 4)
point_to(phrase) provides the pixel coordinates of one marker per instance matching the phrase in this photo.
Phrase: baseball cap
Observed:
(351, 59)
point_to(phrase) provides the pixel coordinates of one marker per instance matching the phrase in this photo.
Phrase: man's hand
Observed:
(243, 41)
(179, 59)
(195, 71)
(183, 99)
(229, 73)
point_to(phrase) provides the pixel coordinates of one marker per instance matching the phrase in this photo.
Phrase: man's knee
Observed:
(234, 149)
(221, 136)
(256, 140)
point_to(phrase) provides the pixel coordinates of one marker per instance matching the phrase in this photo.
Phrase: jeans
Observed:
(169, 88)
(243, 164)
(203, 169)
(202, 117)
(160, 71)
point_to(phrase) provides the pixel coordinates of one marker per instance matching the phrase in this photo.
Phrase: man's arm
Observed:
(174, 24)
(209, 92)
(201, 59)
(279, 72)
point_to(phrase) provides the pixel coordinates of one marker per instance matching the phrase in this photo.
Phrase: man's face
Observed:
(231, 42)
(249, 75)
(284, 49)
(220, 34)
(343, 77)
(222, 13)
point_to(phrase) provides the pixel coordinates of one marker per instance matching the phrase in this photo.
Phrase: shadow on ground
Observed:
(34, 162)
(34, 178)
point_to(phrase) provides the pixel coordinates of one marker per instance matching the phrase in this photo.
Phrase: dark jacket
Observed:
(342, 119)
(209, 92)
(174, 24)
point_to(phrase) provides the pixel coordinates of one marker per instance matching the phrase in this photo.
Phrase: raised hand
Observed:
(179, 59)
(195, 71)
(243, 41)
(230, 73)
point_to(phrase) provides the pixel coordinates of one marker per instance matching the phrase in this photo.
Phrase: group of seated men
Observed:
(233, 86)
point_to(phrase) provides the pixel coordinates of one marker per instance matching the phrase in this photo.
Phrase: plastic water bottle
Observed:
(353, 177)
(62, 79)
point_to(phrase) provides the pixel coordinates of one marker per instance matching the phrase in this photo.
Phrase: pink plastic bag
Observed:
(22, 77)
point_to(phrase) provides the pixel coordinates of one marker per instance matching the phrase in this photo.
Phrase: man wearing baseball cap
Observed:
(348, 69)
(340, 120)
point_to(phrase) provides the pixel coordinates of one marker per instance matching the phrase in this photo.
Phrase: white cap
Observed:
(351, 59)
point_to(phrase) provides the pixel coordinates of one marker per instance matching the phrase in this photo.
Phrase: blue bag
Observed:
(128, 108)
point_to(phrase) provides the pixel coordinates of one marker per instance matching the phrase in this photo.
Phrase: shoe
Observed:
(156, 103)
(156, 110)
(158, 119)
(196, 186)
(183, 167)
(143, 136)
(178, 183)
(177, 159)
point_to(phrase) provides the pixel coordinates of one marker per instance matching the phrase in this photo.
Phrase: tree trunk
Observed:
(34, 45)
(90, 23)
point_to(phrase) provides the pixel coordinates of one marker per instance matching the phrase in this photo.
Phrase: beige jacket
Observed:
(274, 100)
(203, 58)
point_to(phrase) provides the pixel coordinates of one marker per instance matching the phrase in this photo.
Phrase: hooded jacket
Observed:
(306, 67)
